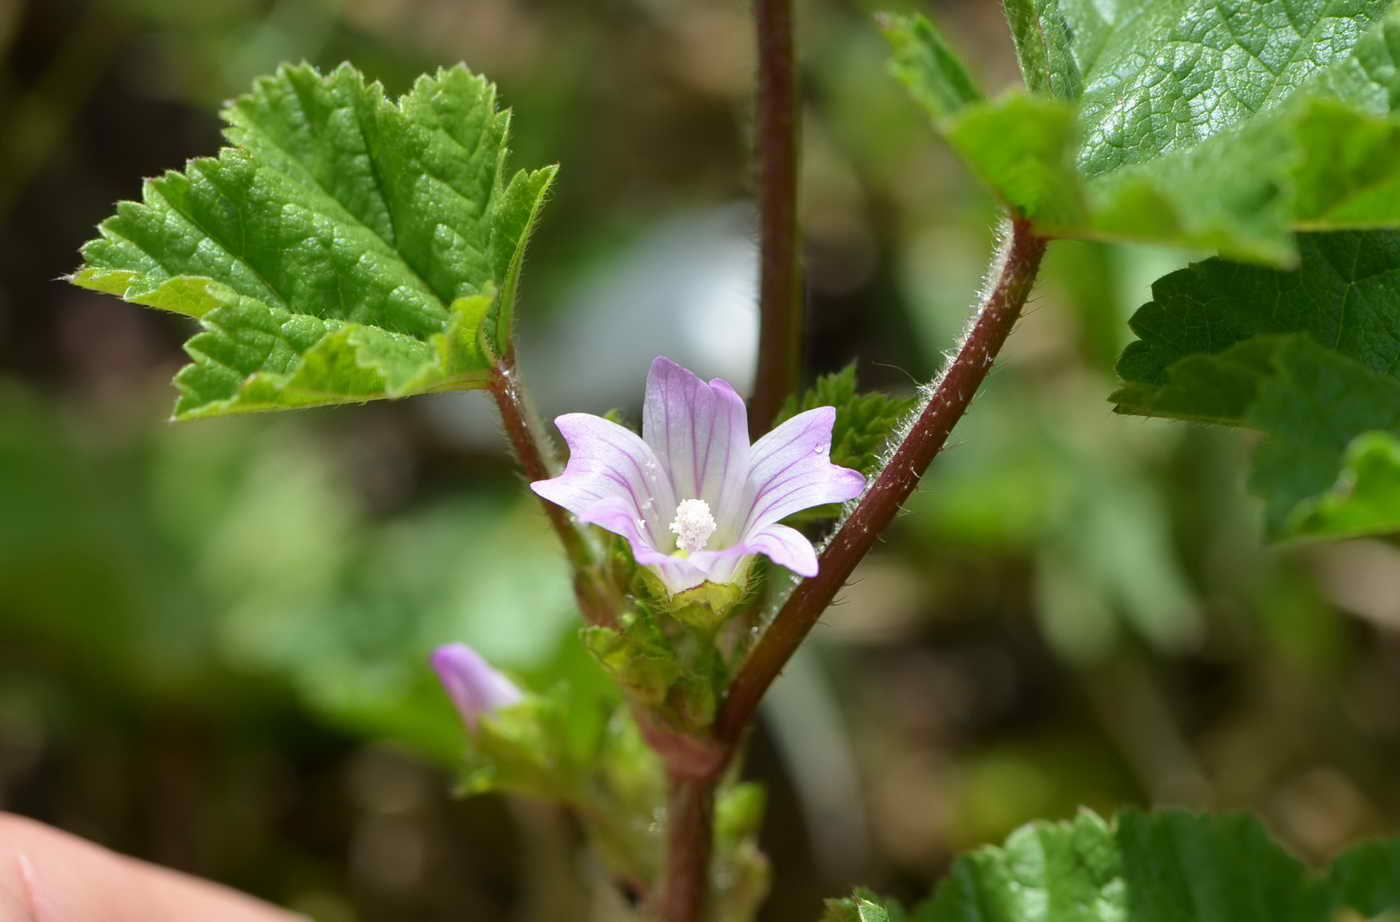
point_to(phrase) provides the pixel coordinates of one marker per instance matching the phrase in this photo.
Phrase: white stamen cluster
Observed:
(693, 525)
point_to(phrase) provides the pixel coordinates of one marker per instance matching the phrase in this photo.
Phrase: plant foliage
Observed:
(1310, 357)
(1190, 122)
(1171, 866)
(346, 248)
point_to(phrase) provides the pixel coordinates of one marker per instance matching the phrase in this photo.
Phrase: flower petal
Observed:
(474, 687)
(700, 433)
(786, 547)
(720, 566)
(612, 480)
(678, 574)
(791, 470)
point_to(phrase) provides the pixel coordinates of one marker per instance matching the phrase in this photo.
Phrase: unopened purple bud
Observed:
(474, 687)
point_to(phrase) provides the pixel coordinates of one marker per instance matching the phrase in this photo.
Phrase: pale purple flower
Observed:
(692, 497)
(474, 687)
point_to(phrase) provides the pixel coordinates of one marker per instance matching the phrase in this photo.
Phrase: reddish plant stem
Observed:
(780, 283)
(690, 807)
(1008, 286)
(526, 442)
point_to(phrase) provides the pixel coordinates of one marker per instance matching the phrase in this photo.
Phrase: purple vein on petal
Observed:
(629, 484)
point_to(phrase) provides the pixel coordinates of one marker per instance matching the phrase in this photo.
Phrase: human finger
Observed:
(51, 876)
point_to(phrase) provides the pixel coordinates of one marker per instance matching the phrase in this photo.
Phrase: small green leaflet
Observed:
(1310, 357)
(346, 248)
(863, 906)
(1213, 125)
(925, 64)
(1147, 867)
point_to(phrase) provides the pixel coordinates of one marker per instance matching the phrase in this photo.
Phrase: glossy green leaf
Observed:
(346, 248)
(1170, 866)
(1213, 125)
(1309, 357)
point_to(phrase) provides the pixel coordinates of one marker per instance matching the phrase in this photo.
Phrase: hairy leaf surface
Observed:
(345, 248)
(1193, 122)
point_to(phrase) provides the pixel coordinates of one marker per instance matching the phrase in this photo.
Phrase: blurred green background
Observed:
(213, 635)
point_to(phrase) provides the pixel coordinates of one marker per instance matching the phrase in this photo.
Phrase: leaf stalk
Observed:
(535, 454)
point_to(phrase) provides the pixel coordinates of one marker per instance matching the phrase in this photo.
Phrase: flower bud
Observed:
(474, 687)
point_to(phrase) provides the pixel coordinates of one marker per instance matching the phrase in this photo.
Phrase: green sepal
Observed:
(707, 606)
(521, 748)
(675, 672)
(637, 656)
(606, 773)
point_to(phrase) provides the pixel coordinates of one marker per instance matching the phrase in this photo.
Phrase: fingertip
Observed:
(51, 876)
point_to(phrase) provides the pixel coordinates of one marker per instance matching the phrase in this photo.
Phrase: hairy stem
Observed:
(780, 285)
(1009, 282)
(690, 806)
(536, 459)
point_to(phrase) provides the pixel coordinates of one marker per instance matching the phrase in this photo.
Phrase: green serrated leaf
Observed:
(347, 248)
(1309, 357)
(1365, 500)
(1043, 872)
(1201, 124)
(928, 66)
(1023, 148)
(1366, 878)
(1170, 866)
